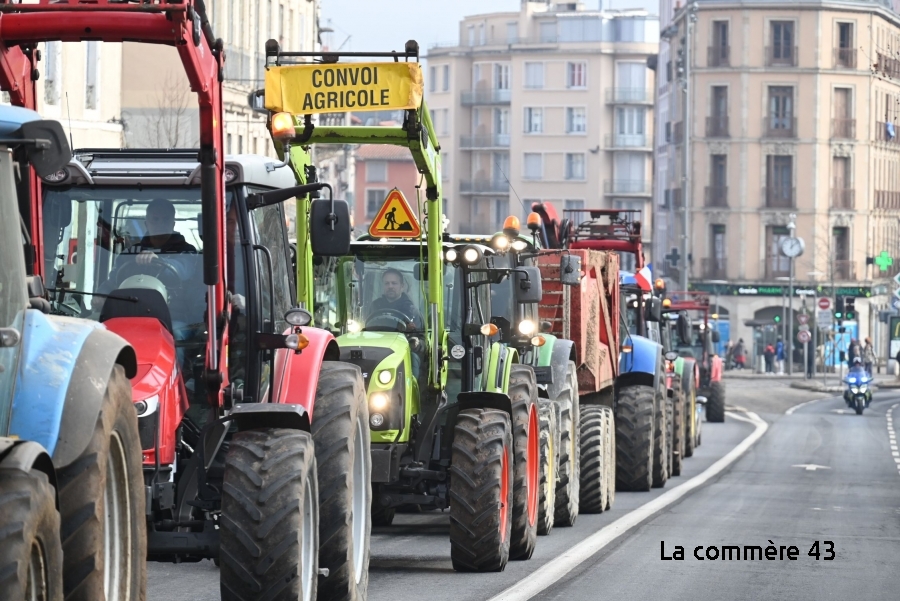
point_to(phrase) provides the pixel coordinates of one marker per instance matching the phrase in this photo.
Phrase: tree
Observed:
(169, 125)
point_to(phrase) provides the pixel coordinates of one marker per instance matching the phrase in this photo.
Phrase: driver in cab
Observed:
(162, 238)
(395, 299)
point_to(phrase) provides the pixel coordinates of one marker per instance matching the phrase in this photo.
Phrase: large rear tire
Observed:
(662, 449)
(715, 403)
(610, 456)
(594, 458)
(31, 559)
(679, 428)
(340, 430)
(635, 421)
(569, 466)
(269, 527)
(692, 436)
(549, 416)
(101, 503)
(526, 444)
(481, 491)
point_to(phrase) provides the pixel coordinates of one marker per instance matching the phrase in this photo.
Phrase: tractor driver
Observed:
(162, 238)
(394, 298)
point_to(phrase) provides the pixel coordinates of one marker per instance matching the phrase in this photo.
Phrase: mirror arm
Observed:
(262, 199)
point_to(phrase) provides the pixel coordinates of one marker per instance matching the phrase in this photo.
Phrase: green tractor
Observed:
(453, 412)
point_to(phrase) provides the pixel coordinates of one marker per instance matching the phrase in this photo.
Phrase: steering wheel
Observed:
(396, 321)
(158, 268)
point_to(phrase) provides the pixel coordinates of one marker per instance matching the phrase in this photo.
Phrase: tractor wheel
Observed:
(569, 466)
(340, 430)
(662, 447)
(715, 403)
(101, 505)
(31, 559)
(692, 424)
(526, 445)
(610, 456)
(481, 491)
(679, 428)
(381, 515)
(269, 526)
(549, 416)
(594, 457)
(635, 417)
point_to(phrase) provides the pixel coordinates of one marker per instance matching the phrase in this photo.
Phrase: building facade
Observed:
(551, 103)
(794, 109)
(380, 169)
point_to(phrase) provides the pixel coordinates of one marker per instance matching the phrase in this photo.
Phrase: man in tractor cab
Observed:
(395, 299)
(162, 237)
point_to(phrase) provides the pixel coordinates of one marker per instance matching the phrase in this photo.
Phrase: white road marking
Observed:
(804, 404)
(556, 569)
(811, 467)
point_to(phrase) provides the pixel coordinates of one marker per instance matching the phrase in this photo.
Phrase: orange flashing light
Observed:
(667, 302)
(511, 226)
(660, 284)
(302, 342)
(282, 125)
(534, 221)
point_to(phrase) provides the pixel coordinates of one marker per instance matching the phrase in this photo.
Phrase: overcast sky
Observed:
(382, 25)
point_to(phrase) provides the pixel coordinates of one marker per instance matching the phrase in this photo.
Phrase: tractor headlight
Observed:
(378, 401)
(385, 376)
(451, 255)
(471, 255)
(500, 242)
(148, 406)
(519, 245)
(376, 420)
(353, 326)
(527, 327)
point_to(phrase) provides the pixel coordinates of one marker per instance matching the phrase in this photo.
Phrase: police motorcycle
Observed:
(858, 394)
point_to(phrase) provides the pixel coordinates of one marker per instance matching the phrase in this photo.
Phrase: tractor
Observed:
(71, 491)
(184, 254)
(453, 414)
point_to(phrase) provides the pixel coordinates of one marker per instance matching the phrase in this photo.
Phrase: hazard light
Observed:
(282, 126)
(511, 226)
(534, 221)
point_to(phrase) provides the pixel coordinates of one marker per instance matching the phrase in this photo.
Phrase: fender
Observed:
(641, 365)
(51, 406)
(298, 374)
(679, 365)
(250, 416)
(500, 361)
(25, 455)
(715, 373)
(562, 352)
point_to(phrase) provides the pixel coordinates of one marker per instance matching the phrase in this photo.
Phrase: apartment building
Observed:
(380, 169)
(795, 109)
(552, 103)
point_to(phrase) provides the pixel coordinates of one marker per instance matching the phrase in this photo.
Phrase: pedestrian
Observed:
(769, 356)
(854, 351)
(869, 356)
(810, 363)
(779, 355)
(738, 354)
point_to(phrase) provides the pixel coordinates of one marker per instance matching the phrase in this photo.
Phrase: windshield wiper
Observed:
(130, 299)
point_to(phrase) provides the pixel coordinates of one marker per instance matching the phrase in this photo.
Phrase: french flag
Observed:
(644, 279)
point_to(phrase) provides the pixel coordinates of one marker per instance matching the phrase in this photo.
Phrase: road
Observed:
(853, 500)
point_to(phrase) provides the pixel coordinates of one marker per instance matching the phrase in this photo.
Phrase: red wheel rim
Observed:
(533, 464)
(504, 494)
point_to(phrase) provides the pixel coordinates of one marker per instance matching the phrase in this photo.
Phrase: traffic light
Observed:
(849, 307)
(777, 319)
(839, 307)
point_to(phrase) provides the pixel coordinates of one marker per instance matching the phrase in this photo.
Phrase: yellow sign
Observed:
(395, 219)
(320, 88)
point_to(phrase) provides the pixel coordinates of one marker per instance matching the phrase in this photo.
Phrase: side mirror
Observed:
(671, 356)
(570, 270)
(715, 336)
(527, 282)
(683, 328)
(48, 150)
(653, 310)
(329, 227)
(546, 326)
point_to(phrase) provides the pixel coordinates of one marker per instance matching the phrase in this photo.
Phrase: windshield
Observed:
(631, 307)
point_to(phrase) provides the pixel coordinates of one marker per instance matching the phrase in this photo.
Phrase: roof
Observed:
(12, 118)
(383, 152)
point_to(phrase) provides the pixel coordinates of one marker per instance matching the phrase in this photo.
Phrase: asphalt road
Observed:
(853, 500)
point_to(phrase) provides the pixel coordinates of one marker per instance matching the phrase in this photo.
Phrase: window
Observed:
(777, 265)
(630, 121)
(781, 110)
(779, 181)
(576, 120)
(481, 34)
(844, 125)
(717, 252)
(92, 75)
(719, 51)
(630, 172)
(52, 73)
(445, 122)
(576, 75)
(534, 120)
(240, 149)
(573, 205)
(781, 51)
(280, 24)
(533, 167)
(501, 76)
(845, 53)
(376, 171)
(269, 223)
(500, 168)
(718, 170)
(445, 78)
(719, 101)
(228, 143)
(534, 75)
(512, 33)
(501, 122)
(720, 34)
(631, 81)
(548, 31)
(471, 32)
(432, 79)
(575, 166)
(845, 35)
(374, 199)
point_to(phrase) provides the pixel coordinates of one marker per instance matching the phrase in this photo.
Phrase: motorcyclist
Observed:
(857, 375)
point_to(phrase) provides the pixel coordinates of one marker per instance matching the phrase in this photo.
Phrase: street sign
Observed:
(884, 260)
(896, 303)
(802, 319)
(824, 318)
(803, 327)
(803, 337)
(824, 303)
(395, 219)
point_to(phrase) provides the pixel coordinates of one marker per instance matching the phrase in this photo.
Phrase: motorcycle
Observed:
(858, 396)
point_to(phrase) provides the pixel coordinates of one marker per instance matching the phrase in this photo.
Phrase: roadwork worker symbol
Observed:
(395, 219)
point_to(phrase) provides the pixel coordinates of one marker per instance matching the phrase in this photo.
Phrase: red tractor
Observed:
(238, 400)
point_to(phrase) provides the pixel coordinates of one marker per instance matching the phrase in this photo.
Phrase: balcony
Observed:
(845, 57)
(714, 268)
(843, 129)
(843, 198)
(717, 196)
(779, 197)
(779, 127)
(627, 141)
(486, 141)
(886, 199)
(485, 97)
(629, 96)
(781, 56)
(887, 132)
(484, 186)
(718, 56)
(776, 266)
(678, 132)
(627, 187)
(844, 269)
(717, 127)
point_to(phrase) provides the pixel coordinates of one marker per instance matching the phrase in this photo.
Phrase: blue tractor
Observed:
(70, 455)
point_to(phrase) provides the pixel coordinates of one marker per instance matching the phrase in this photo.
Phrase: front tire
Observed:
(715, 403)
(340, 430)
(679, 428)
(548, 414)
(526, 444)
(689, 392)
(635, 421)
(594, 459)
(269, 527)
(569, 466)
(101, 503)
(662, 447)
(31, 558)
(481, 491)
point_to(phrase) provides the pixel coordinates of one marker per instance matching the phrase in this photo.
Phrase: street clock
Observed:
(792, 247)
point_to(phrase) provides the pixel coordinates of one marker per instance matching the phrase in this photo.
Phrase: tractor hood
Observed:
(155, 348)
(373, 350)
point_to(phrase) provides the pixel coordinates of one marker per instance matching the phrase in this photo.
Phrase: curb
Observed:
(816, 387)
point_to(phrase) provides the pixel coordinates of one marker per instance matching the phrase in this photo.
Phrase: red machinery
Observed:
(198, 498)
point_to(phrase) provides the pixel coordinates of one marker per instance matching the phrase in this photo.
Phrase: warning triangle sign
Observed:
(395, 219)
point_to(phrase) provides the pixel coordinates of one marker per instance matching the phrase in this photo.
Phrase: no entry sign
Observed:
(824, 303)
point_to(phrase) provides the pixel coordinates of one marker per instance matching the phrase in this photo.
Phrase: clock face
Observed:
(792, 247)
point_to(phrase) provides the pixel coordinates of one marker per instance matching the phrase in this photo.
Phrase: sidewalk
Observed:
(798, 380)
